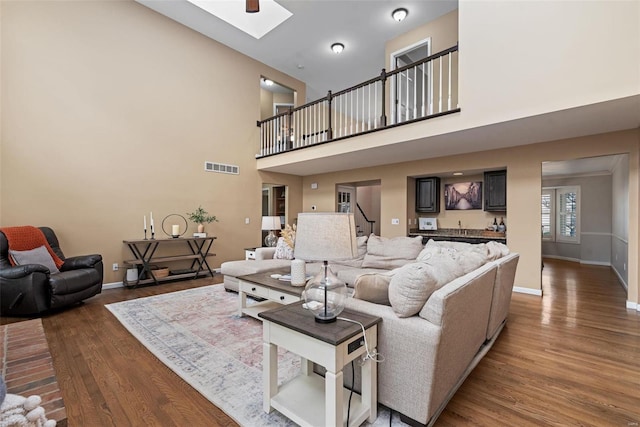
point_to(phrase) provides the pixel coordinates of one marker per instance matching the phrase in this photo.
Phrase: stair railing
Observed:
(362, 222)
(422, 90)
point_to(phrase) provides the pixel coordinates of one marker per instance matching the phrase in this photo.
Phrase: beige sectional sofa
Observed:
(429, 355)
(442, 311)
(375, 255)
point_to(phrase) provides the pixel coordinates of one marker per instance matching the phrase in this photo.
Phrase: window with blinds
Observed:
(547, 215)
(560, 208)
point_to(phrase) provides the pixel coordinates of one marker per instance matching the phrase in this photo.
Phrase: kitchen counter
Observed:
(459, 235)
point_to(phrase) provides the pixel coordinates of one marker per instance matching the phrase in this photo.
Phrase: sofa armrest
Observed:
(411, 341)
(21, 271)
(265, 253)
(83, 261)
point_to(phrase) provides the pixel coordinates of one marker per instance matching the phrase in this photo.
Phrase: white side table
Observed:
(309, 399)
(250, 254)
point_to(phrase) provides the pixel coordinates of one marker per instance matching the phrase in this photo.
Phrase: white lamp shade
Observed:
(325, 236)
(271, 223)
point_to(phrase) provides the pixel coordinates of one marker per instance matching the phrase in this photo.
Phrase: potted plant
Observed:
(200, 217)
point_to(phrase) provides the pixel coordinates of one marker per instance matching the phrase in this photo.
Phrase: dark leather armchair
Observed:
(30, 289)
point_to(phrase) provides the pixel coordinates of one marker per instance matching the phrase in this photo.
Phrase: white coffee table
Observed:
(309, 399)
(274, 292)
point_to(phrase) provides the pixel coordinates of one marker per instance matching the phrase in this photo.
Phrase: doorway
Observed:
(363, 200)
(585, 212)
(274, 203)
(411, 90)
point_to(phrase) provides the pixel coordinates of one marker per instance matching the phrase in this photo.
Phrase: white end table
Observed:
(309, 399)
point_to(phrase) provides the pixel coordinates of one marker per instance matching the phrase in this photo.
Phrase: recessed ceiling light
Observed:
(399, 14)
(458, 173)
(337, 47)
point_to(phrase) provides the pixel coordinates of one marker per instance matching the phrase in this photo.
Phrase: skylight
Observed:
(255, 24)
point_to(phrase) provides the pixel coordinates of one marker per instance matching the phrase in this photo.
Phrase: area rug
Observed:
(198, 335)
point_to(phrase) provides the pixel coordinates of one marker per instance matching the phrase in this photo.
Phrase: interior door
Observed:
(346, 199)
(411, 90)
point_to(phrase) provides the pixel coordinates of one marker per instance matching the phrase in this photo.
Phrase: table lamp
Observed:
(270, 223)
(325, 236)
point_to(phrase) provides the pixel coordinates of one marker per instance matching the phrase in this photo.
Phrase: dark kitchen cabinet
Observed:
(495, 191)
(428, 195)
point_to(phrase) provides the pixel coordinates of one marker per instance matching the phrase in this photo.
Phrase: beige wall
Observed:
(109, 111)
(523, 58)
(523, 191)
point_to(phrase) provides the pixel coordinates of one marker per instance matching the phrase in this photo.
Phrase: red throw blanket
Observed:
(26, 238)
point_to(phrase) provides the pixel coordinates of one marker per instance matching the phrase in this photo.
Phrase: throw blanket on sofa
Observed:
(26, 238)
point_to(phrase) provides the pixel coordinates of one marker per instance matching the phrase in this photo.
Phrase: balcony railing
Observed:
(419, 91)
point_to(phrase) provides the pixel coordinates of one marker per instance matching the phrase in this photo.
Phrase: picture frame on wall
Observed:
(463, 195)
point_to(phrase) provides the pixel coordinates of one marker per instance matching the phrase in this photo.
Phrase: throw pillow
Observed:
(496, 250)
(413, 284)
(373, 287)
(39, 255)
(389, 253)
(362, 251)
(283, 250)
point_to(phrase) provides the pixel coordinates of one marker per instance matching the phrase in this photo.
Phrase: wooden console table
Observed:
(144, 255)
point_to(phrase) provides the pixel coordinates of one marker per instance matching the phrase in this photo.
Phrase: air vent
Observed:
(221, 168)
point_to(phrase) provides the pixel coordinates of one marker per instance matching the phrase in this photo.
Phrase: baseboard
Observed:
(600, 263)
(113, 285)
(620, 279)
(520, 290)
(633, 305)
(564, 258)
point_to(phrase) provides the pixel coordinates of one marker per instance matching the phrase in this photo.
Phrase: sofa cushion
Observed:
(412, 285)
(242, 268)
(283, 250)
(349, 275)
(356, 262)
(467, 258)
(390, 253)
(39, 255)
(373, 287)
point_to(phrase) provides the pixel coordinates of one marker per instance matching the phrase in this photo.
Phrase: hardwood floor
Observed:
(569, 358)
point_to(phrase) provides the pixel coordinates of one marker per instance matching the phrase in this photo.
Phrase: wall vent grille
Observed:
(221, 168)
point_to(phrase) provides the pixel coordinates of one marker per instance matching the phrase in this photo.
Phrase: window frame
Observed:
(556, 214)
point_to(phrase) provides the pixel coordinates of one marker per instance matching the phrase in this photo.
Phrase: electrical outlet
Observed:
(624, 266)
(115, 266)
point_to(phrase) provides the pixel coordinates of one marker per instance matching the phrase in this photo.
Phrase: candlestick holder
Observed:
(152, 234)
(175, 236)
(145, 234)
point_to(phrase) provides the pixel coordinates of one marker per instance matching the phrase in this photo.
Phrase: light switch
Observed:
(246, 220)
(395, 221)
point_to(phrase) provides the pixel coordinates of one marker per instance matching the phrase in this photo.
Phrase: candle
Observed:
(145, 223)
(151, 220)
(175, 230)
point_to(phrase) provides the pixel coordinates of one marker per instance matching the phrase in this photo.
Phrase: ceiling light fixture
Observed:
(399, 14)
(337, 47)
(457, 173)
(268, 82)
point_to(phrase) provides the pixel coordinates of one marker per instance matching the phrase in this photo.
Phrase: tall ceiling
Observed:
(300, 46)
